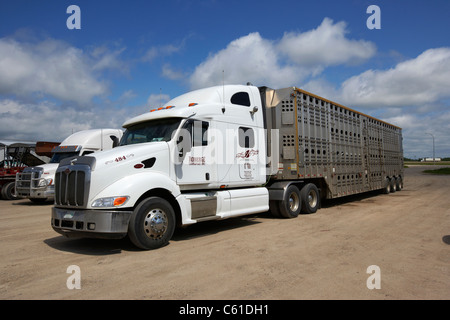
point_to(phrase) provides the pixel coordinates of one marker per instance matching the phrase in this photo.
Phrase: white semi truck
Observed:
(37, 183)
(223, 152)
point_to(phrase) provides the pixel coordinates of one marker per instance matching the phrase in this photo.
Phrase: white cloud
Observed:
(106, 59)
(170, 73)
(421, 82)
(47, 121)
(157, 51)
(325, 46)
(39, 119)
(49, 67)
(414, 82)
(249, 58)
(285, 62)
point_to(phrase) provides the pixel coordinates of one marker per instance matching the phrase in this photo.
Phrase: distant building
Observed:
(430, 159)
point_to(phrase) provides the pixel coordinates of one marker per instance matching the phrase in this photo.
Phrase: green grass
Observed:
(419, 163)
(438, 171)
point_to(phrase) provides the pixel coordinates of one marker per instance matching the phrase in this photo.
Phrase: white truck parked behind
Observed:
(223, 152)
(37, 183)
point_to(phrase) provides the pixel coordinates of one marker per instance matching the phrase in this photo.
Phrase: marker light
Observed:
(162, 108)
(192, 104)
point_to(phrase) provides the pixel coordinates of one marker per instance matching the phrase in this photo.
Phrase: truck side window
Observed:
(246, 137)
(241, 98)
(198, 131)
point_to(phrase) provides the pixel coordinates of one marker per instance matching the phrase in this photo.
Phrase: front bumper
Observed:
(111, 224)
(39, 193)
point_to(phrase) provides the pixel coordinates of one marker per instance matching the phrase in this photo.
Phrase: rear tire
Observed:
(310, 198)
(399, 183)
(387, 186)
(292, 204)
(393, 185)
(152, 224)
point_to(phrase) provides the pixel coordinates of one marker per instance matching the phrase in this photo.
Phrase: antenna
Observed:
(223, 91)
(160, 97)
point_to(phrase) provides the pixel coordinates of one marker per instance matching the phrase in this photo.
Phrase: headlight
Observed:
(45, 182)
(110, 201)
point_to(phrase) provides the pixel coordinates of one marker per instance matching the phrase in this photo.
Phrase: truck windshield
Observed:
(57, 157)
(150, 131)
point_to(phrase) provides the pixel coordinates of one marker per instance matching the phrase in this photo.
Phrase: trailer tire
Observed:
(291, 205)
(310, 198)
(152, 224)
(387, 186)
(8, 191)
(393, 185)
(399, 183)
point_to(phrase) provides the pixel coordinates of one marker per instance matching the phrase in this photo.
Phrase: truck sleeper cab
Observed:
(37, 183)
(223, 152)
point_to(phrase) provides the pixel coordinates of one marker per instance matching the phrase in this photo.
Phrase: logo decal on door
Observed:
(247, 154)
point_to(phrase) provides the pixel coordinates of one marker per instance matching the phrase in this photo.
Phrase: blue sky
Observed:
(129, 56)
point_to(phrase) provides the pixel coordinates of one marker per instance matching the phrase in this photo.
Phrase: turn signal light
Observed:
(120, 201)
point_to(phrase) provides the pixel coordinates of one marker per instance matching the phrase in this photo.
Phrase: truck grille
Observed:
(27, 180)
(72, 185)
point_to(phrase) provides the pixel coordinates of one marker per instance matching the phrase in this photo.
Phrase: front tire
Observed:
(274, 209)
(152, 224)
(8, 191)
(292, 204)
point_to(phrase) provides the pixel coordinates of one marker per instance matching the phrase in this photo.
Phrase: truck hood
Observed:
(129, 156)
(125, 161)
(49, 169)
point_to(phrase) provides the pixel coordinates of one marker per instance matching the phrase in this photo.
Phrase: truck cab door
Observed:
(247, 154)
(249, 142)
(194, 167)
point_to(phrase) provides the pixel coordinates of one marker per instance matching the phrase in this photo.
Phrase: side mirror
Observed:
(183, 144)
(180, 150)
(115, 141)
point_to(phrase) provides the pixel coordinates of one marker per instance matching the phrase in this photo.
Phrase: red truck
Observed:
(16, 156)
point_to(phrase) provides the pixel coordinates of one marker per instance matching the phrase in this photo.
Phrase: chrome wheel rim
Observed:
(312, 199)
(294, 202)
(155, 224)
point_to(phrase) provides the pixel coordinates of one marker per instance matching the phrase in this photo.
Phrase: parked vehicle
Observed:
(37, 183)
(15, 156)
(223, 152)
